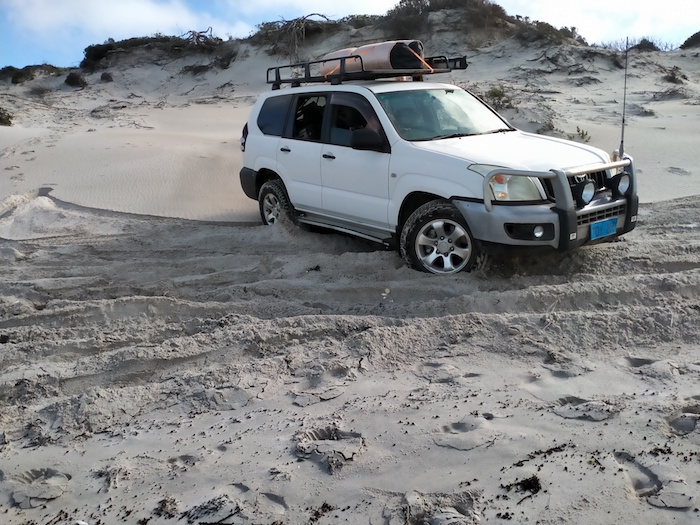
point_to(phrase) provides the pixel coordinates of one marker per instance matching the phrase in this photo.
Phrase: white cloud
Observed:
(101, 19)
(606, 20)
(334, 9)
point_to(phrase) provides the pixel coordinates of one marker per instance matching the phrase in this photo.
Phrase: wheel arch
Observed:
(265, 175)
(411, 203)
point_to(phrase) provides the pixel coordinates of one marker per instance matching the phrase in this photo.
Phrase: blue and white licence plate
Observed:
(603, 228)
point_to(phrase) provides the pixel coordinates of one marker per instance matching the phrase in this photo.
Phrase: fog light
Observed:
(584, 192)
(620, 184)
(538, 232)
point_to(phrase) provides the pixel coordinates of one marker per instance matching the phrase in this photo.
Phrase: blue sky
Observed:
(57, 31)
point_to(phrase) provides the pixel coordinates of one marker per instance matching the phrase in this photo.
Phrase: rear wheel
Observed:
(437, 239)
(274, 203)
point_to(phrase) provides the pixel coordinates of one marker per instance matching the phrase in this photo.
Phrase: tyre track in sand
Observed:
(163, 298)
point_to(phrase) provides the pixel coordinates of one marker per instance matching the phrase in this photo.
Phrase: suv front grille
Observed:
(599, 215)
(599, 177)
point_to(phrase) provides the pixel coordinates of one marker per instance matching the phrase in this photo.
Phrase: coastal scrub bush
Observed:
(360, 21)
(106, 77)
(94, 54)
(7, 72)
(536, 31)
(76, 80)
(692, 41)
(283, 37)
(22, 75)
(5, 117)
(643, 44)
(646, 45)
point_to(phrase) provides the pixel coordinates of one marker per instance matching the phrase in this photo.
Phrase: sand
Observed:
(165, 358)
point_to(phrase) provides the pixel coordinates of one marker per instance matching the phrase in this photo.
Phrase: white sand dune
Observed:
(165, 358)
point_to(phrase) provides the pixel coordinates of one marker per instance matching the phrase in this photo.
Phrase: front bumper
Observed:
(563, 226)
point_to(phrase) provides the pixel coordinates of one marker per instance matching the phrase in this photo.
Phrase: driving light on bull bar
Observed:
(584, 192)
(620, 184)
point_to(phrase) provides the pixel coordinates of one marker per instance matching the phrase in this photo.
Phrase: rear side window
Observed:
(308, 117)
(273, 115)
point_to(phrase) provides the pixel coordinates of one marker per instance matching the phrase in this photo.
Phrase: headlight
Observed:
(514, 188)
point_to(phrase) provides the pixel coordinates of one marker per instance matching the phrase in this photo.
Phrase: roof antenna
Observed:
(621, 153)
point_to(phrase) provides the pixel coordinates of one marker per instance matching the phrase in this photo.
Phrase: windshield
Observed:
(439, 113)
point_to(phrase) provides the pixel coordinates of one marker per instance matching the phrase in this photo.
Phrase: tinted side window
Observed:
(273, 115)
(308, 117)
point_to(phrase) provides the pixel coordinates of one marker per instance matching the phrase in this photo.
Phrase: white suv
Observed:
(427, 167)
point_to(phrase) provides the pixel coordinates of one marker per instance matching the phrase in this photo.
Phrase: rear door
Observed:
(355, 182)
(299, 151)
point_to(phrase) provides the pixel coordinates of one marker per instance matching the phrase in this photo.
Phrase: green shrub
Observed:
(497, 98)
(106, 77)
(581, 135)
(5, 117)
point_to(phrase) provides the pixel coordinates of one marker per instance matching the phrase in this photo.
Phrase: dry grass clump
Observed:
(39, 91)
(195, 69)
(675, 76)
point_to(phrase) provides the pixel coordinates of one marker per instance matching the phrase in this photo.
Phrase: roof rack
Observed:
(296, 74)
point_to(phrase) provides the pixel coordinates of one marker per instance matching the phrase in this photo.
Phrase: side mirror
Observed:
(368, 139)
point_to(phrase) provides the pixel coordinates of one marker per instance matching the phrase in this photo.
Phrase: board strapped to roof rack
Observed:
(339, 69)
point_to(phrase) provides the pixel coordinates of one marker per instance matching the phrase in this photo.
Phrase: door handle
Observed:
(328, 156)
(285, 149)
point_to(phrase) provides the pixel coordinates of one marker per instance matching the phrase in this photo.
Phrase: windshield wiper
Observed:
(452, 136)
(500, 130)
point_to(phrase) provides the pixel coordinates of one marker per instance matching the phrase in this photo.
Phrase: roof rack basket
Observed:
(338, 70)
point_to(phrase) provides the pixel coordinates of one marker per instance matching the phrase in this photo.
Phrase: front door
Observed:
(355, 182)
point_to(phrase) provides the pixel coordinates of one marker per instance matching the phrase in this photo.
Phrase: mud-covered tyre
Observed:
(436, 239)
(274, 203)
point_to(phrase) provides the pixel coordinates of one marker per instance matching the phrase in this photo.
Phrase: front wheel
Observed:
(436, 239)
(274, 203)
